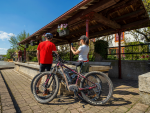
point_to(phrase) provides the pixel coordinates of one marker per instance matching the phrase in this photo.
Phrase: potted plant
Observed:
(32, 43)
(62, 30)
(26, 45)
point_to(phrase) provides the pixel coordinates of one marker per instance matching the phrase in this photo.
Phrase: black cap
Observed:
(83, 37)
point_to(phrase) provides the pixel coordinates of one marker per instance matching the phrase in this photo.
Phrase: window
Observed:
(117, 37)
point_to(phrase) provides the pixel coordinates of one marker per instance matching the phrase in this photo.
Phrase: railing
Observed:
(130, 52)
(31, 56)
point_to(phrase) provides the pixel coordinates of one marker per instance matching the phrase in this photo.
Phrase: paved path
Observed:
(6, 104)
(126, 98)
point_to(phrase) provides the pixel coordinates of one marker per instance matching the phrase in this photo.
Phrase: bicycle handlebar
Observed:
(58, 57)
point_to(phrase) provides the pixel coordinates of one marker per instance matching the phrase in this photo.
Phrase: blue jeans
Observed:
(45, 66)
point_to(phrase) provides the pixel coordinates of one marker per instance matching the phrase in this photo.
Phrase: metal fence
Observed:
(130, 52)
(31, 56)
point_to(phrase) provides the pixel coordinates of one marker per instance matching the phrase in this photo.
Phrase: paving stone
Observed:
(62, 111)
(38, 110)
(121, 109)
(74, 111)
(48, 110)
(8, 107)
(32, 104)
(35, 107)
(27, 111)
(148, 109)
(9, 111)
(24, 108)
(135, 111)
(141, 107)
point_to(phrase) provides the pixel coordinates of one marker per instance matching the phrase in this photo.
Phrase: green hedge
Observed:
(101, 48)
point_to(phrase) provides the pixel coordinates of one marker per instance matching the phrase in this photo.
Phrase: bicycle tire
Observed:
(93, 102)
(80, 95)
(33, 80)
(44, 100)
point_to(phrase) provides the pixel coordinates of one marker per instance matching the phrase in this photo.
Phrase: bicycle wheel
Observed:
(33, 80)
(79, 93)
(99, 95)
(52, 87)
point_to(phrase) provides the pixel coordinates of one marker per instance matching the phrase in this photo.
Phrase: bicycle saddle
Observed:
(77, 63)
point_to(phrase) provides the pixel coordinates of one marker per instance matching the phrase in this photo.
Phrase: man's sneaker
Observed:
(46, 92)
(37, 90)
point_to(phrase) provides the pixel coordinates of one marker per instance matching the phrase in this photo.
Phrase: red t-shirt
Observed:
(46, 49)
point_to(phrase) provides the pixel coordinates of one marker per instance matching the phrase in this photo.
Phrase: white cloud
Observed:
(4, 35)
(3, 51)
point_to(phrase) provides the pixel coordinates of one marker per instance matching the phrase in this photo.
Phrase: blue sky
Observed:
(28, 15)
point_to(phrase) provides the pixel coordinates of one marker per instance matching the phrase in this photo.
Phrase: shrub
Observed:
(34, 59)
(101, 48)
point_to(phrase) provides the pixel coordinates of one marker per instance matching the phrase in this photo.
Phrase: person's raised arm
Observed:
(75, 52)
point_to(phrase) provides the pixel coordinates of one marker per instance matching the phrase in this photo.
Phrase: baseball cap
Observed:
(48, 35)
(83, 37)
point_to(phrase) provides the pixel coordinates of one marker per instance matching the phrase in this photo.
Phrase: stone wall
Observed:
(32, 68)
(130, 69)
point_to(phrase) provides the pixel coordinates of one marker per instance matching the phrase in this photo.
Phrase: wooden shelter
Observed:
(96, 18)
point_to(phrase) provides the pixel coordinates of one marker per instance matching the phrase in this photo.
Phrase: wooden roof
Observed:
(106, 17)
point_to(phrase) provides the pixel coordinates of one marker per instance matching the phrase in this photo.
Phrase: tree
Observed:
(143, 33)
(14, 40)
(10, 53)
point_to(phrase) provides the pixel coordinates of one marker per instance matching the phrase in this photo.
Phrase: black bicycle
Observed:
(95, 87)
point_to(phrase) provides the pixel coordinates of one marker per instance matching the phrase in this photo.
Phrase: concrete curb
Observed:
(1, 68)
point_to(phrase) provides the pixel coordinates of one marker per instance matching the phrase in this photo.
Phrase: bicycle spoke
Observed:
(99, 94)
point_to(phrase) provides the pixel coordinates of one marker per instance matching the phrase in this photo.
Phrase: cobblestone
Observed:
(6, 104)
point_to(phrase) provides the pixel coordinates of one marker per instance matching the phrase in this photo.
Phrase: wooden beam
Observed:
(84, 29)
(61, 38)
(103, 20)
(101, 5)
(137, 23)
(94, 35)
(121, 5)
(130, 15)
(57, 39)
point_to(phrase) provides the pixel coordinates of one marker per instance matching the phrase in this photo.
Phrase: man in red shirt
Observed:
(44, 56)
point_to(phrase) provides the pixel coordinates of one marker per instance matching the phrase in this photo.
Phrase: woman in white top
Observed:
(83, 51)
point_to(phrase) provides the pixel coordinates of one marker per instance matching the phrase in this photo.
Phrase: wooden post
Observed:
(87, 28)
(119, 62)
(87, 32)
(70, 53)
(24, 54)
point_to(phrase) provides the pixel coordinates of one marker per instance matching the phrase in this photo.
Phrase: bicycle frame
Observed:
(61, 65)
